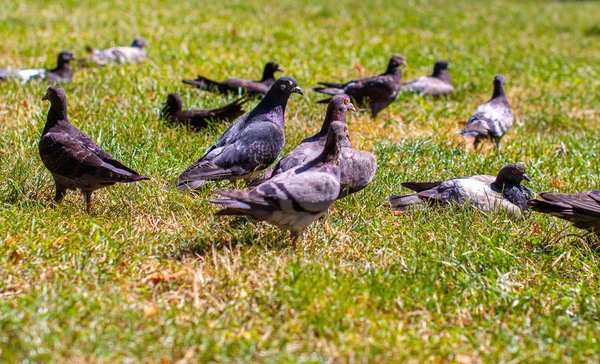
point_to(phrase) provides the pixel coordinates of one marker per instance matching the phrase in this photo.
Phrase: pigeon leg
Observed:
(87, 196)
(60, 193)
(497, 142)
(294, 236)
(476, 143)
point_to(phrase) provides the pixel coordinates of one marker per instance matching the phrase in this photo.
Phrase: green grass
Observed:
(152, 275)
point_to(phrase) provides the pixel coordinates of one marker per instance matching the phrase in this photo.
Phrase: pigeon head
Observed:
(439, 67)
(396, 61)
(286, 85)
(270, 69)
(139, 42)
(337, 108)
(173, 105)
(58, 106)
(499, 86)
(511, 174)
(56, 94)
(65, 57)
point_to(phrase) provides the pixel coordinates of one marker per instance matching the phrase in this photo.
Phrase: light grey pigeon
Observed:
(61, 73)
(294, 199)
(135, 53)
(581, 209)
(439, 83)
(488, 193)
(249, 145)
(492, 119)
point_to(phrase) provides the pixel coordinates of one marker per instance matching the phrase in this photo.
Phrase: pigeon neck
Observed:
(330, 116)
(268, 75)
(498, 90)
(63, 68)
(502, 184)
(332, 151)
(442, 75)
(171, 109)
(57, 112)
(274, 104)
(392, 70)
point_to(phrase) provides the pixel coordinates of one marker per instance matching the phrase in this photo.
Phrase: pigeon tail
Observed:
(329, 90)
(203, 83)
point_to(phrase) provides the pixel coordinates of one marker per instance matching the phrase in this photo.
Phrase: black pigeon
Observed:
(74, 160)
(377, 92)
(504, 192)
(492, 119)
(237, 85)
(294, 199)
(249, 145)
(581, 209)
(62, 72)
(439, 83)
(198, 119)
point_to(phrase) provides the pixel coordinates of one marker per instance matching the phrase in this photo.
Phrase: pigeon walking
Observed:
(249, 145)
(61, 73)
(492, 119)
(237, 85)
(74, 160)
(581, 209)
(376, 92)
(439, 83)
(488, 193)
(198, 119)
(294, 199)
(135, 53)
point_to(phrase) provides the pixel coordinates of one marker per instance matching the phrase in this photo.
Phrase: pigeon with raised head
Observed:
(488, 193)
(74, 160)
(61, 73)
(249, 145)
(439, 83)
(581, 209)
(239, 85)
(492, 119)
(294, 199)
(376, 92)
(135, 53)
(198, 119)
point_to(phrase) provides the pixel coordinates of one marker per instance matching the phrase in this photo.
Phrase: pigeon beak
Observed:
(298, 90)
(351, 107)
(279, 69)
(404, 63)
(46, 97)
(526, 178)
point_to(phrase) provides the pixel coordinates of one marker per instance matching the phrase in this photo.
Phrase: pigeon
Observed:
(581, 209)
(74, 160)
(249, 145)
(294, 199)
(492, 119)
(438, 84)
(504, 192)
(237, 85)
(198, 119)
(132, 54)
(62, 72)
(377, 92)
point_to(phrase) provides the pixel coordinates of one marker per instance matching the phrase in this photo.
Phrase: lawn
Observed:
(151, 275)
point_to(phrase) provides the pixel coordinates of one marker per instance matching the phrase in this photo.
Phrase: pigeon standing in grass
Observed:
(62, 72)
(439, 83)
(198, 119)
(376, 92)
(294, 199)
(492, 119)
(503, 192)
(237, 85)
(249, 145)
(135, 53)
(581, 209)
(74, 160)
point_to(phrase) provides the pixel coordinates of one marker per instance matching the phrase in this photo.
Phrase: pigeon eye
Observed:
(346, 101)
(514, 171)
(345, 129)
(290, 83)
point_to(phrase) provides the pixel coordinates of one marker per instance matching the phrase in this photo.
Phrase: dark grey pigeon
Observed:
(135, 53)
(376, 92)
(249, 145)
(237, 85)
(74, 160)
(581, 209)
(502, 192)
(62, 72)
(439, 83)
(294, 199)
(492, 119)
(198, 119)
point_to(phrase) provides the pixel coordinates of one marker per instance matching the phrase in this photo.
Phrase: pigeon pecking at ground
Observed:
(62, 72)
(439, 83)
(135, 53)
(198, 119)
(488, 193)
(376, 92)
(581, 209)
(74, 160)
(249, 145)
(237, 85)
(294, 199)
(492, 119)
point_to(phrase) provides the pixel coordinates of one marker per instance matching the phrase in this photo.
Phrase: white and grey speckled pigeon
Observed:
(492, 119)
(439, 83)
(581, 209)
(488, 193)
(61, 73)
(249, 145)
(294, 199)
(132, 54)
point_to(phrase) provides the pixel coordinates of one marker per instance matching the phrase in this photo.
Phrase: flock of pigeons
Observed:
(323, 168)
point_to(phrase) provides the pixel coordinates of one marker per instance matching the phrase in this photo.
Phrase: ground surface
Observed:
(152, 275)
